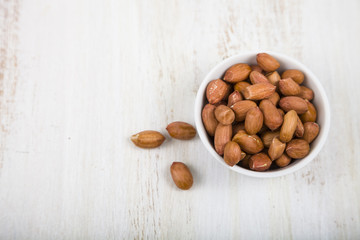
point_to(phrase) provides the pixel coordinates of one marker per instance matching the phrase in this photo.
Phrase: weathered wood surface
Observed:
(77, 78)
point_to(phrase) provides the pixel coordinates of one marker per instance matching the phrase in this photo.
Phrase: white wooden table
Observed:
(78, 77)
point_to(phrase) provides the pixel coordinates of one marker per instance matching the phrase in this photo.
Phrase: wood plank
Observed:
(77, 78)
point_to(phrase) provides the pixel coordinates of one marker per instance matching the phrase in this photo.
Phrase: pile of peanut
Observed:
(257, 116)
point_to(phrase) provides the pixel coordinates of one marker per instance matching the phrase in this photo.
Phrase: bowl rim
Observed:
(325, 127)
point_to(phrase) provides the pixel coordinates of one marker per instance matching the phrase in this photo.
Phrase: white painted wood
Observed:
(77, 78)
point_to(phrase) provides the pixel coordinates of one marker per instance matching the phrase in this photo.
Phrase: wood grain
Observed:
(78, 78)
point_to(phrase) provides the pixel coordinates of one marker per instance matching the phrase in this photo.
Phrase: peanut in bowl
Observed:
(250, 119)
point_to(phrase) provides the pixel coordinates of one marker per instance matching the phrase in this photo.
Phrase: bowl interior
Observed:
(320, 101)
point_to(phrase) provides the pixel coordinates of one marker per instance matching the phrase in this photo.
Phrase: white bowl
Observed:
(320, 101)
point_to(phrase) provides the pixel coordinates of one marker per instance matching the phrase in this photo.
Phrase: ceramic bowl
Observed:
(320, 101)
